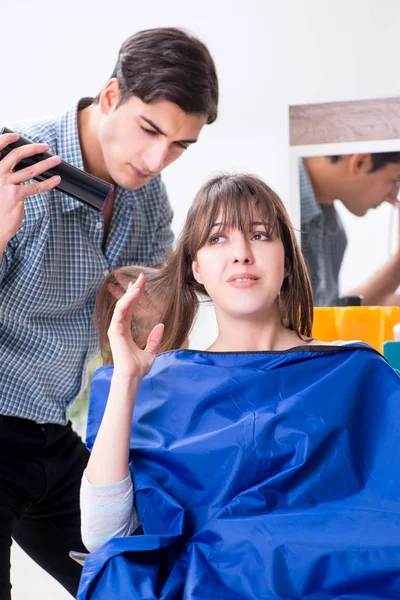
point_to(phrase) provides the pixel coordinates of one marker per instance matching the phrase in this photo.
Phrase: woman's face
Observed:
(242, 272)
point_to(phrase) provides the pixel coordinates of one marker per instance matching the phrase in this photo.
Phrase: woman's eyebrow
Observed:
(219, 223)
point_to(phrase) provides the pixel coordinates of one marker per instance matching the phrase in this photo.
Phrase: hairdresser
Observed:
(360, 182)
(54, 251)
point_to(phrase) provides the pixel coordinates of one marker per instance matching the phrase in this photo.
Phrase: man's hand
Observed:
(12, 194)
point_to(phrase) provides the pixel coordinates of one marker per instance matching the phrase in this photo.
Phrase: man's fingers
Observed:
(8, 163)
(155, 338)
(39, 187)
(8, 138)
(34, 170)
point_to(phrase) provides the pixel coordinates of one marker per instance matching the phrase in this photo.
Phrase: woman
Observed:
(260, 466)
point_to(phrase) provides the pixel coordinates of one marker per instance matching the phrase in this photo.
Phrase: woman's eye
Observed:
(216, 239)
(260, 236)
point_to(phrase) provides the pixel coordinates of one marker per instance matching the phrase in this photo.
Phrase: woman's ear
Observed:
(196, 272)
(287, 270)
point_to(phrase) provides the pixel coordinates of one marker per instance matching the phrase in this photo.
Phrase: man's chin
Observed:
(131, 183)
(360, 212)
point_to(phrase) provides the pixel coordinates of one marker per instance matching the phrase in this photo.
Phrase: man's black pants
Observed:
(40, 473)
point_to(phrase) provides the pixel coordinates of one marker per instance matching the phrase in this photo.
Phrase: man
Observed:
(360, 182)
(54, 252)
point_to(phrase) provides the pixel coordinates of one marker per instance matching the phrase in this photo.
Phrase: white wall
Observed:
(269, 54)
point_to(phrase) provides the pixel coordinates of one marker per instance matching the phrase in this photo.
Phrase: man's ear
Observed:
(358, 164)
(196, 272)
(109, 95)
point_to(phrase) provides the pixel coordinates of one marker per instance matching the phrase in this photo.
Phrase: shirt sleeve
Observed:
(164, 237)
(5, 260)
(107, 511)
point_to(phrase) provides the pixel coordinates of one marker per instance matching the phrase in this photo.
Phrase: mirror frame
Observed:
(349, 127)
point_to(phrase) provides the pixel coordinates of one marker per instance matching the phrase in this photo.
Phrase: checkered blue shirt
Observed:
(323, 242)
(49, 273)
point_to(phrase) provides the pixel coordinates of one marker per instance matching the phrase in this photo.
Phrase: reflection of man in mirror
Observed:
(360, 182)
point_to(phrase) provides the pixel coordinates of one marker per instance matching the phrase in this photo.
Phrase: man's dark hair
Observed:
(168, 64)
(379, 159)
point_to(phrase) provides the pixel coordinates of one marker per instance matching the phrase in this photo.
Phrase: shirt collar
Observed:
(308, 202)
(69, 149)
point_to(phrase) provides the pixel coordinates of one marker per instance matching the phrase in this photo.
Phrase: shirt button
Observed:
(99, 224)
(106, 272)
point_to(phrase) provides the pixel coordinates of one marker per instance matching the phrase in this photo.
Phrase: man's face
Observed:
(370, 190)
(139, 140)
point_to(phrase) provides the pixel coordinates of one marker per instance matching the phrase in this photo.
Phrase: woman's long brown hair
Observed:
(172, 294)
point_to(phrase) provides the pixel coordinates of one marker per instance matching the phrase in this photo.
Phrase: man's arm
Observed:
(12, 194)
(379, 289)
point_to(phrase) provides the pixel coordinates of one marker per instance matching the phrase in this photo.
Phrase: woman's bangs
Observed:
(235, 211)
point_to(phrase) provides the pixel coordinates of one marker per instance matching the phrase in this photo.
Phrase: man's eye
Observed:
(149, 131)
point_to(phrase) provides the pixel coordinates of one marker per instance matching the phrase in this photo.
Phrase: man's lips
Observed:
(140, 173)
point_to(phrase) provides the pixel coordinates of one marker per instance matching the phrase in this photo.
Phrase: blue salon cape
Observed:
(260, 475)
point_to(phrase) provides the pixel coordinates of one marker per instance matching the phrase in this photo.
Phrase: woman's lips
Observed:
(243, 280)
(246, 283)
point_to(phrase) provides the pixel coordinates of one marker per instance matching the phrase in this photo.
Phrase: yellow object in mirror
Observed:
(370, 324)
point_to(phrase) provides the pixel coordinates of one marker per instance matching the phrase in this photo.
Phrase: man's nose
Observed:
(392, 195)
(154, 157)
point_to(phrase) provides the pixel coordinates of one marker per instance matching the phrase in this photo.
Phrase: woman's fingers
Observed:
(140, 282)
(118, 289)
(124, 309)
(154, 339)
(115, 290)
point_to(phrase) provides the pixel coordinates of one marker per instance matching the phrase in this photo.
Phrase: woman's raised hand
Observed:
(129, 360)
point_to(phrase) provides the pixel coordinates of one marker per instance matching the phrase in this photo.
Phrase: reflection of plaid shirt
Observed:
(49, 274)
(323, 242)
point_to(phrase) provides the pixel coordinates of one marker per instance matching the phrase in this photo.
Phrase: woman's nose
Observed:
(242, 253)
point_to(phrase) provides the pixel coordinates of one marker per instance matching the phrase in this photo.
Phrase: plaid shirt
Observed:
(49, 273)
(323, 242)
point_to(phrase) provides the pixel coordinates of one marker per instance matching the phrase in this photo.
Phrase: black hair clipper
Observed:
(76, 183)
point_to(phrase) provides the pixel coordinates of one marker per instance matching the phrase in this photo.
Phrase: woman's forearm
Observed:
(109, 460)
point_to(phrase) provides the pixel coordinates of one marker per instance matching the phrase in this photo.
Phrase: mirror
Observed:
(345, 175)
